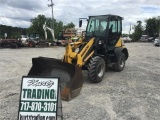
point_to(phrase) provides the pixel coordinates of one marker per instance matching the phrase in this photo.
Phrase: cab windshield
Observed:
(97, 26)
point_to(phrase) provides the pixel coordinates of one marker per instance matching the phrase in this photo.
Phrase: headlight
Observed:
(100, 42)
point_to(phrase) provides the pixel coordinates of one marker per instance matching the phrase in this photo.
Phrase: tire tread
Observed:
(92, 73)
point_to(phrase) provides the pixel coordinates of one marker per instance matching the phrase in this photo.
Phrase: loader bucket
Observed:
(71, 78)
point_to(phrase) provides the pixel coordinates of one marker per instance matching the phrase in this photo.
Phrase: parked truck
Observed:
(66, 35)
(25, 40)
(10, 43)
(144, 38)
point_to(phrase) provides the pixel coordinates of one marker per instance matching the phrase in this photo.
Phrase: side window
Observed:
(91, 26)
(113, 26)
(97, 25)
(119, 26)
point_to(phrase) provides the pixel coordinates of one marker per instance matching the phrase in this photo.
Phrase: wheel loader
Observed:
(101, 46)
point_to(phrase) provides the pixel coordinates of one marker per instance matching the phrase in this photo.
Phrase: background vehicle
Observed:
(144, 38)
(10, 43)
(126, 39)
(33, 39)
(24, 39)
(151, 39)
(75, 38)
(99, 48)
(66, 35)
(157, 42)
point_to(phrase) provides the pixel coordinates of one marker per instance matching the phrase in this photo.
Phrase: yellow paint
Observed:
(88, 57)
(87, 47)
(83, 52)
(119, 43)
(67, 54)
(70, 53)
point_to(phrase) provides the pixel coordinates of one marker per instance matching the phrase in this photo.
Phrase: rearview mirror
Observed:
(80, 23)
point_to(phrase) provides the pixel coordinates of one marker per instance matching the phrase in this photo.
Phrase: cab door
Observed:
(114, 31)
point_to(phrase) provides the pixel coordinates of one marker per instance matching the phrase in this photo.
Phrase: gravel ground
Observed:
(133, 94)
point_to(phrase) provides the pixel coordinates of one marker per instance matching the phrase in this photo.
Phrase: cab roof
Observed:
(109, 15)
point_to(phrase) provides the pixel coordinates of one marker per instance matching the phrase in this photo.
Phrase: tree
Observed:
(58, 27)
(16, 35)
(37, 26)
(138, 30)
(152, 26)
(125, 35)
(69, 25)
(12, 32)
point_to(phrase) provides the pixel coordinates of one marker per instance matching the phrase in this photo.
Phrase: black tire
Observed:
(14, 45)
(31, 44)
(96, 69)
(2, 45)
(120, 64)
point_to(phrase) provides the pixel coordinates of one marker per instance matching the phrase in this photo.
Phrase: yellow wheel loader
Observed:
(101, 46)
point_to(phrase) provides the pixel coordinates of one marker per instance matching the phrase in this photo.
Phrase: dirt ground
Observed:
(133, 94)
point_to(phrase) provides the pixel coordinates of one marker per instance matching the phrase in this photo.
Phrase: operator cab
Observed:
(34, 36)
(106, 29)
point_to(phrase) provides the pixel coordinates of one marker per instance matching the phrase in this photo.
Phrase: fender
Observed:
(118, 50)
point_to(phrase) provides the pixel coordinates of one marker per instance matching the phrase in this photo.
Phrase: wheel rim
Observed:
(30, 44)
(101, 70)
(122, 63)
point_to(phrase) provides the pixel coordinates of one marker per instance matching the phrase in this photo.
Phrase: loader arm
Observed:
(77, 44)
(79, 58)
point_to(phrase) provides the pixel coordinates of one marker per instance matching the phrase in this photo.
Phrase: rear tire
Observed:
(31, 44)
(96, 69)
(120, 64)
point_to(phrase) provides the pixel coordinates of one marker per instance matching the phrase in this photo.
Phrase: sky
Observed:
(17, 13)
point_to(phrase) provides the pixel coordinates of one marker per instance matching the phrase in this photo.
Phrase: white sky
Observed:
(71, 10)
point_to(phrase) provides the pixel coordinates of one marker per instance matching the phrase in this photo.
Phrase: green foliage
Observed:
(152, 26)
(37, 26)
(12, 32)
(16, 35)
(125, 35)
(69, 25)
(138, 31)
(58, 27)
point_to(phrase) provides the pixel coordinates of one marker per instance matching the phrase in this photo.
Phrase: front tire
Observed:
(120, 64)
(96, 69)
